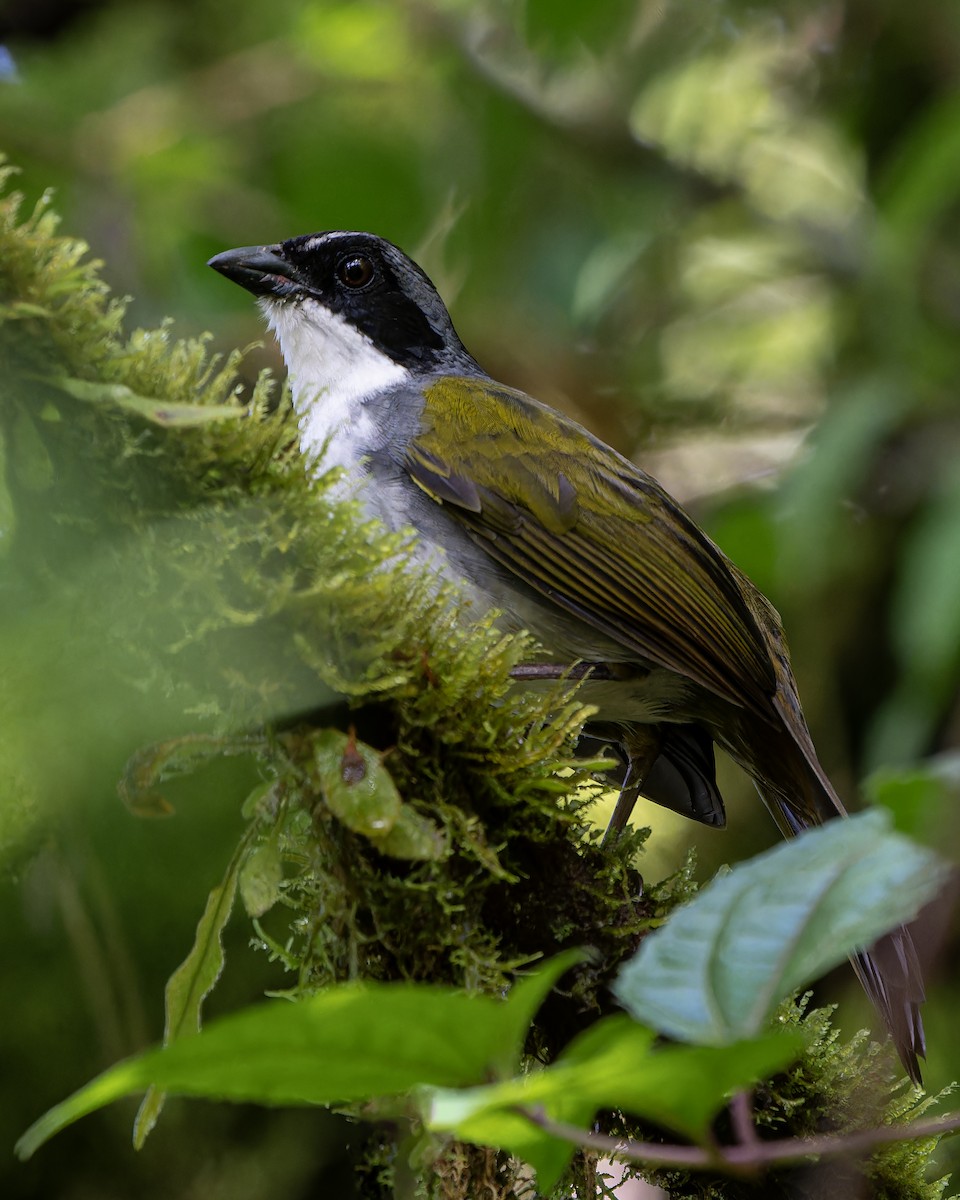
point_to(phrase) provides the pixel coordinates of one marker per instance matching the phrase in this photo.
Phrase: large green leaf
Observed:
(348, 1043)
(720, 966)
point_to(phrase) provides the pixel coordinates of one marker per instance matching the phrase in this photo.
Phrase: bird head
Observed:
(349, 305)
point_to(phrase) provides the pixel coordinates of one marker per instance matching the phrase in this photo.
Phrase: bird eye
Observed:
(355, 272)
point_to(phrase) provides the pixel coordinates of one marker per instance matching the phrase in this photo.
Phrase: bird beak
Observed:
(260, 269)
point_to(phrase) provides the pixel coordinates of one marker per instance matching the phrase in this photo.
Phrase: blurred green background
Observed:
(725, 236)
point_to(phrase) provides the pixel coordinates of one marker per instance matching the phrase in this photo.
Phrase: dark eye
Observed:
(355, 272)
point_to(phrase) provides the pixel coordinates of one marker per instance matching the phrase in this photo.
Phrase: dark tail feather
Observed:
(890, 974)
(683, 776)
(889, 970)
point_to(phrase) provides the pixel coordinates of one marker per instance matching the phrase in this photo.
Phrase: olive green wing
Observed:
(594, 535)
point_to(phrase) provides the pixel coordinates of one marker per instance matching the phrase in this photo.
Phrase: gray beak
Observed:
(260, 269)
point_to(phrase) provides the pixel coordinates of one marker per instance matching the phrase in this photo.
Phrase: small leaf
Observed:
(356, 786)
(493, 1117)
(260, 878)
(146, 769)
(414, 837)
(262, 801)
(718, 968)
(194, 979)
(192, 982)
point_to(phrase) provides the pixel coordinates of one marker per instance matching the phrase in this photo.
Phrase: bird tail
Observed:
(890, 974)
(798, 794)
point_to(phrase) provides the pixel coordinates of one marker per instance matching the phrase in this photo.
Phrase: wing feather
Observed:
(612, 548)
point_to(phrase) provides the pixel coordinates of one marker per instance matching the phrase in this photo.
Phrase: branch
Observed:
(748, 1156)
(557, 671)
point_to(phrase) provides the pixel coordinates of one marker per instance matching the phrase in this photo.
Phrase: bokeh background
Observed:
(725, 236)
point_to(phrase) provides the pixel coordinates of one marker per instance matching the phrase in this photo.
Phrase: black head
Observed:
(362, 278)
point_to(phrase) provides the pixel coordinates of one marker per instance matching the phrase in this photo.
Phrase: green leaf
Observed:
(194, 979)
(922, 798)
(525, 997)
(717, 970)
(491, 1117)
(148, 767)
(614, 1065)
(260, 878)
(345, 1044)
(356, 786)
(360, 792)
(414, 837)
(618, 1066)
(192, 982)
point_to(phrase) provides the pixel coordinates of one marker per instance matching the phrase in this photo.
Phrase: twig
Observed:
(574, 672)
(741, 1115)
(748, 1156)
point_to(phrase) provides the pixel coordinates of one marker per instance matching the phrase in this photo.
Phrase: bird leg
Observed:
(641, 747)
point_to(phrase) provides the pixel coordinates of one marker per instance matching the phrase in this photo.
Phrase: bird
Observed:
(538, 520)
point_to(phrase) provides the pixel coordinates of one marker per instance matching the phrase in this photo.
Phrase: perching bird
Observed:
(538, 519)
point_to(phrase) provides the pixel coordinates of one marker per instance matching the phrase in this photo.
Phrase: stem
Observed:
(751, 1154)
(570, 671)
(741, 1115)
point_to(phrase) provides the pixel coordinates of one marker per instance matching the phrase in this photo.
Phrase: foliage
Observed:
(370, 1043)
(722, 965)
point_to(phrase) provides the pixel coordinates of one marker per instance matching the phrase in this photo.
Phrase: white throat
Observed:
(334, 369)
